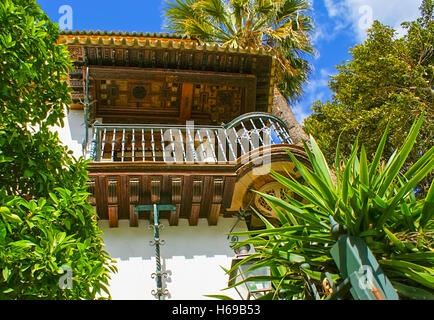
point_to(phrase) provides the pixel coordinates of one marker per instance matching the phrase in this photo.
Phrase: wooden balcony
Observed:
(205, 171)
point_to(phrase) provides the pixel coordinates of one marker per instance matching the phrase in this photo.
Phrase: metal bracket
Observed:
(159, 207)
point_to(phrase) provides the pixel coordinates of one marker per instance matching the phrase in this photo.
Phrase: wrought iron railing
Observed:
(187, 143)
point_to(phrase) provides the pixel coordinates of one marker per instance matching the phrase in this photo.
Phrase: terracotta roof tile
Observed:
(147, 40)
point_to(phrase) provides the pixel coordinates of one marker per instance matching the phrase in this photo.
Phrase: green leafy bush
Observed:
(46, 225)
(373, 201)
(39, 239)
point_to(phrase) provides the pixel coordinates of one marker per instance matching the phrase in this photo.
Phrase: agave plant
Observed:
(374, 201)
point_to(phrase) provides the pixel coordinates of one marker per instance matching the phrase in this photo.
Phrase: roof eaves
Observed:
(149, 40)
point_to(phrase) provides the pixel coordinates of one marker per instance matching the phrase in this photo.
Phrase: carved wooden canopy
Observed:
(151, 79)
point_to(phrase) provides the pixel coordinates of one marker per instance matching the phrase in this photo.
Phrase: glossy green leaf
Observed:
(412, 292)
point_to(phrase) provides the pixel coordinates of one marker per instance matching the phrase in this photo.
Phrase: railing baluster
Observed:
(162, 145)
(230, 145)
(172, 144)
(211, 145)
(113, 145)
(243, 151)
(94, 144)
(191, 143)
(143, 146)
(248, 133)
(182, 145)
(219, 142)
(123, 146)
(282, 139)
(205, 155)
(257, 131)
(269, 131)
(285, 133)
(133, 145)
(153, 144)
(103, 144)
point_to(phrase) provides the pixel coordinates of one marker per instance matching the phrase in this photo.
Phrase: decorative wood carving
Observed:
(91, 189)
(197, 190)
(155, 191)
(112, 190)
(218, 190)
(166, 96)
(76, 53)
(176, 190)
(134, 198)
(196, 199)
(214, 211)
(134, 190)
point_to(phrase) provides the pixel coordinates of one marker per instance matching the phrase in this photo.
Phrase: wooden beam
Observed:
(197, 196)
(194, 216)
(155, 189)
(101, 196)
(214, 214)
(228, 190)
(215, 78)
(166, 196)
(124, 196)
(207, 196)
(186, 101)
(187, 196)
(133, 198)
(134, 218)
(113, 216)
(217, 198)
(76, 106)
(176, 200)
(174, 218)
(145, 195)
(161, 168)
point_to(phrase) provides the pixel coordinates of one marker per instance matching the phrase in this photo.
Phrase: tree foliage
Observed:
(280, 26)
(388, 79)
(45, 221)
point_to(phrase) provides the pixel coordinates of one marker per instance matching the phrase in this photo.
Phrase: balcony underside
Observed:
(198, 190)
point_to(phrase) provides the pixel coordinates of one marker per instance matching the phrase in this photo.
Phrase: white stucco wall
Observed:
(72, 133)
(192, 255)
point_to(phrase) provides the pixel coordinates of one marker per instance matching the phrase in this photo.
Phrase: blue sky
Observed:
(339, 25)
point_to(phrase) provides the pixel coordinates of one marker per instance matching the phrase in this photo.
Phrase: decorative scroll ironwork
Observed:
(157, 242)
(242, 215)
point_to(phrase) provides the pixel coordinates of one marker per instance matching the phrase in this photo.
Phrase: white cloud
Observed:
(315, 89)
(359, 14)
(335, 8)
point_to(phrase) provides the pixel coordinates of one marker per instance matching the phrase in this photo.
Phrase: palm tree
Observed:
(279, 26)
